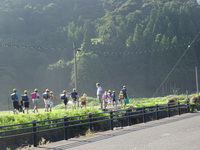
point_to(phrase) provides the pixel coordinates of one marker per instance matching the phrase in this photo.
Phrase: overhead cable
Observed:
(188, 47)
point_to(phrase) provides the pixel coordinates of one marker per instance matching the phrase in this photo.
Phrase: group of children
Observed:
(21, 103)
(109, 98)
(75, 99)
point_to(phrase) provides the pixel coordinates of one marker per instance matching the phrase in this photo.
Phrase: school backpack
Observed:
(105, 96)
(34, 95)
(121, 95)
(13, 96)
(24, 97)
(109, 95)
(45, 96)
(124, 91)
(63, 96)
(113, 96)
(73, 94)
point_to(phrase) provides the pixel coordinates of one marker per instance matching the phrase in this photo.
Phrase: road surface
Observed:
(178, 132)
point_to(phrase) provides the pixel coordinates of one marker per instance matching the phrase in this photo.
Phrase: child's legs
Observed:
(36, 106)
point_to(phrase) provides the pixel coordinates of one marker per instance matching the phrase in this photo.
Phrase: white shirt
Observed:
(99, 90)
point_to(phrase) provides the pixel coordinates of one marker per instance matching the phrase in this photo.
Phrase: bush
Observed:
(195, 99)
(172, 100)
(9, 119)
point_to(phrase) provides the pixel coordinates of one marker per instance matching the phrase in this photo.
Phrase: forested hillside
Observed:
(122, 42)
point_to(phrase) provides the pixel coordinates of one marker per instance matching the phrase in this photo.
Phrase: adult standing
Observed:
(35, 99)
(124, 90)
(99, 94)
(74, 96)
(15, 98)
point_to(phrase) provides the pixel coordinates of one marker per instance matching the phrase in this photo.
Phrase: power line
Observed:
(134, 53)
(96, 52)
(176, 64)
(33, 47)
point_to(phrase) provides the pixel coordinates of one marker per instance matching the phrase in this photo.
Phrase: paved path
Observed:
(178, 132)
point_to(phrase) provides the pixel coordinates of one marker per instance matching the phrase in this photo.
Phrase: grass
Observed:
(140, 102)
(8, 117)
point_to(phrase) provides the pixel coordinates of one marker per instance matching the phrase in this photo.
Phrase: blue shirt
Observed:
(74, 94)
(17, 97)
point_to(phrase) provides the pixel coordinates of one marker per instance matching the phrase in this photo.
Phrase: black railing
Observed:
(127, 115)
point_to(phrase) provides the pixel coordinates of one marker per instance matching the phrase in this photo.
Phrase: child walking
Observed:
(25, 101)
(121, 99)
(83, 101)
(105, 99)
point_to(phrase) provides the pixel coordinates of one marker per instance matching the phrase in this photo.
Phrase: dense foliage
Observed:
(123, 42)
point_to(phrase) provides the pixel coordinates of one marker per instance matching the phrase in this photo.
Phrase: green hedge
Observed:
(9, 119)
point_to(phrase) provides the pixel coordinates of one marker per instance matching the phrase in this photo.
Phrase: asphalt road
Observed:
(178, 132)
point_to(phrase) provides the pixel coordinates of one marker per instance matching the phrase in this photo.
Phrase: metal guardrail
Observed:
(35, 127)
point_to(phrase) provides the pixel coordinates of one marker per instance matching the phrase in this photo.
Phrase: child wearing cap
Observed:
(74, 97)
(15, 98)
(25, 101)
(105, 99)
(114, 98)
(83, 100)
(52, 99)
(121, 98)
(46, 97)
(64, 97)
(35, 98)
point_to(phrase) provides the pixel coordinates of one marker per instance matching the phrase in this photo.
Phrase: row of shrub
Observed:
(140, 102)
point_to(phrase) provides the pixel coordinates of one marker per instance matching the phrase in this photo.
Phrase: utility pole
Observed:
(197, 83)
(75, 66)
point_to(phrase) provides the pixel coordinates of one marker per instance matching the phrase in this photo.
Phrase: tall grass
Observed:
(140, 102)
(8, 119)
(58, 111)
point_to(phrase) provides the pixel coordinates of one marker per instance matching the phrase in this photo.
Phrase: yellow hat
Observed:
(14, 90)
(51, 92)
(36, 90)
(64, 91)
(84, 95)
(25, 91)
(124, 86)
(47, 90)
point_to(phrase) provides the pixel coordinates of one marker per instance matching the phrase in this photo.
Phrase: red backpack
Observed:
(34, 95)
